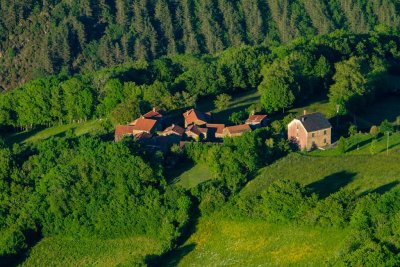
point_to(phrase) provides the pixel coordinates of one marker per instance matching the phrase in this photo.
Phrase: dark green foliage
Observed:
(12, 241)
(342, 145)
(238, 117)
(284, 201)
(39, 38)
(385, 127)
(335, 210)
(85, 188)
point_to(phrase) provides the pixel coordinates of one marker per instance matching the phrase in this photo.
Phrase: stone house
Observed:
(310, 131)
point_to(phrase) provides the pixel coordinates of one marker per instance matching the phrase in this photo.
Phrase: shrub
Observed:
(342, 146)
(285, 200)
(374, 131)
(386, 126)
(335, 210)
(352, 130)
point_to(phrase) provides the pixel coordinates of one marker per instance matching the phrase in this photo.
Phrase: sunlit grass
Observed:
(363, 173)
(220, 242)
(61, 130)
(57, 251)
(194, 176)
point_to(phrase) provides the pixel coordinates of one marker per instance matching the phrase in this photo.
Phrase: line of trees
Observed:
(49, 37)
(351, 69)
(125, 92)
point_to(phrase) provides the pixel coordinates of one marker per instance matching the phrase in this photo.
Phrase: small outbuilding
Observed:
(237, 130)
(257, 121)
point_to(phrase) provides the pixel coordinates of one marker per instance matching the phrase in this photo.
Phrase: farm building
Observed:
(310, 131)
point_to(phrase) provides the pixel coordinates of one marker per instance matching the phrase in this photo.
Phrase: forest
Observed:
(39, 38)
(90, 187)
(353, 70)
(67, 62)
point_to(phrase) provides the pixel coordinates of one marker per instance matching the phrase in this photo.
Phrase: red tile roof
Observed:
(146, 125)
(238, 129)
(143, 136)
(176, 129)
(196, 130)
(256, 118)
(218, 128)
(193, 115)
(121, 130)
(154, 114)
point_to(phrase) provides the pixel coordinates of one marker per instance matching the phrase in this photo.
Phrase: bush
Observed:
(335, 210)
(386, 126)
(374, 131)
(285, 200)
(342, 146)
(364, 251)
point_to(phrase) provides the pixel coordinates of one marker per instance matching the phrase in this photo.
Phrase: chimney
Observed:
(154, 109)
(305, 112)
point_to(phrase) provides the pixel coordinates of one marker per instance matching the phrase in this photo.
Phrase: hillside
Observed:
(46, 37)
(58, 251)
(252, 242)
(327, 174)
(72, 194)
(248, 241)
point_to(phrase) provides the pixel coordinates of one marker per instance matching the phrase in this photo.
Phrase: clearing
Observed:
(192, 176)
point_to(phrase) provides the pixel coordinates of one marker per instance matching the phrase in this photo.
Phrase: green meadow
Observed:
(59, 251)
(225, 242)
(61, 130)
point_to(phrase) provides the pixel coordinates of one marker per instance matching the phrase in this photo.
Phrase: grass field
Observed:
(37, 135)
(239, 102)
(360, 144)
(58, 251)
(325, 175)
(224, 242)
(193, 176)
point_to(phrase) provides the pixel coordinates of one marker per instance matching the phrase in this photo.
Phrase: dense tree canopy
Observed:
(49, 37)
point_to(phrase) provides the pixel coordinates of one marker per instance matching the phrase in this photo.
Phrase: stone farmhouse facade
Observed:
(310, 131)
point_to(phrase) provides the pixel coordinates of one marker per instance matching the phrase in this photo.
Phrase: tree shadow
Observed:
(172, 258)
(391, 146)
(384, 188)
(360, 144)
(172, 175)
(32, 238)
(331, 183)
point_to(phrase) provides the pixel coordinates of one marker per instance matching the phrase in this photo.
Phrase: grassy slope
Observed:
(239, 102)
(37, 135)
(194, 176)
(58, 251)
(361, 172)
(224, 241)
(220, 241)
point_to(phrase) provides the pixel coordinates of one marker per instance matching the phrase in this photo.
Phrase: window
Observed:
(313, 135)
(325, 141)
(324, 132)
